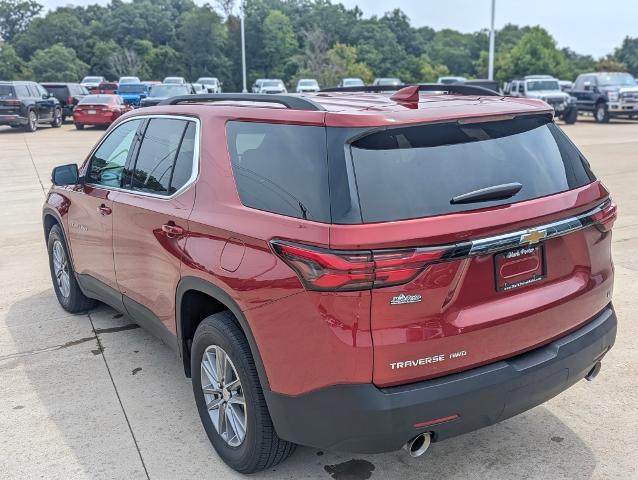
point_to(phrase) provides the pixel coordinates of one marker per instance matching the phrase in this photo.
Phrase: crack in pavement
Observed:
(130, 326)
(37, 174)
(97, 331)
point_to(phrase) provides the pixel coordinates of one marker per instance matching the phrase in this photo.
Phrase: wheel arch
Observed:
(195, 299)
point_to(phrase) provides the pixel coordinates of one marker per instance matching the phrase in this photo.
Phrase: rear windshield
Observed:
(6, 91)
(132, 88)
(97, 100)
(168, 90)
(58, 91)
(413, 172)
(281, 168)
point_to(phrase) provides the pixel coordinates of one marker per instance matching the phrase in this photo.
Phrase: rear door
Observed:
(470, 264)
(150, 220)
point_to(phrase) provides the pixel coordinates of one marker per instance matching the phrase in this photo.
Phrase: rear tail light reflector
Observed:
(334, 270)
(605, 218)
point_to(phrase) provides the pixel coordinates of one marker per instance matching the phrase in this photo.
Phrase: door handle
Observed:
(104, 210)
(172, 230)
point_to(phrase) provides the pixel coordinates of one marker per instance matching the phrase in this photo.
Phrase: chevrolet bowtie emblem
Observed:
(534, 236)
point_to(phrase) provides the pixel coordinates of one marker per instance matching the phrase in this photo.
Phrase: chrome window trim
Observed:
(196, 154)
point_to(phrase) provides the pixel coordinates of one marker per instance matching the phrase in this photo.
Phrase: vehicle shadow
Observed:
(71, 384)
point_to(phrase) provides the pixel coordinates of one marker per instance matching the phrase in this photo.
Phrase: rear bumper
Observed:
(13, 120)
(365, 419)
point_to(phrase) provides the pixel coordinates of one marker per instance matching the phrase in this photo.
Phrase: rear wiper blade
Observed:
(496, 192)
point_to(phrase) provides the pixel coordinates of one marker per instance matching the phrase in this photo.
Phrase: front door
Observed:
(90, 219)
(150, 221)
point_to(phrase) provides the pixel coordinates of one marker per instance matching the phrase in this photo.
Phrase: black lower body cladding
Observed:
(365, 419)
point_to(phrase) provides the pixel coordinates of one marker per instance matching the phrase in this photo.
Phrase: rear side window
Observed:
(281, 168)
(22, 91)
(166, 141)
(59, 91)
(415, 171)
(6, 91)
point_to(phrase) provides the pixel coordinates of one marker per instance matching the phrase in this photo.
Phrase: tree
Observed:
(57, 64)
(535, 53)
(627, 53)
(610, 64)
(280, 43)
(431, 72)
(456, 50)
(12, 67)
(15, 16)
(164, 61)
(104, 58)
(201, 40)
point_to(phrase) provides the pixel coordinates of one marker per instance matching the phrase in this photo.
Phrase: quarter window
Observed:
(107, 164)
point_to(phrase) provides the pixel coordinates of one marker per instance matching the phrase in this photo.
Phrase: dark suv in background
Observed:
(26, 104)
(68, 94)
(606, 95)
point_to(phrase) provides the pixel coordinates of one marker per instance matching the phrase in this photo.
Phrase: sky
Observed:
(586, 26)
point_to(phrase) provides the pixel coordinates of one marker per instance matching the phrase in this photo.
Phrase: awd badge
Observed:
(402, 299)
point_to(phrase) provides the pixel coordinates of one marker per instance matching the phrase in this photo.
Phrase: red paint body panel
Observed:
(309, 340)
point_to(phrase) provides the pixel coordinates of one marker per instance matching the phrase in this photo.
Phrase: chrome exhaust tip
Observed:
(418, 445)
(593, 373)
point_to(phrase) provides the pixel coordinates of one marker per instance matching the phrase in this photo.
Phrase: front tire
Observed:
(230, 400)
(65, 284)
(601, 113)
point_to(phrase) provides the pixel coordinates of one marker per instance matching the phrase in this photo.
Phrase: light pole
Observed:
(490, 68)
(243, 50)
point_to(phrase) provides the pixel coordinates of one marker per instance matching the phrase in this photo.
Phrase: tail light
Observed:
(605, 218)
(13, 103)
(335, 270)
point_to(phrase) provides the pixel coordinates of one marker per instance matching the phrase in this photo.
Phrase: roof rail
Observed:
(423, 87)
(289, 101)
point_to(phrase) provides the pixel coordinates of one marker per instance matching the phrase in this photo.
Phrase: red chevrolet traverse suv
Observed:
(348, 270)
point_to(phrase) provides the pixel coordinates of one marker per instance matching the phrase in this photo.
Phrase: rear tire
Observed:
(65, 284)
(79, 126)
(601, 113)
(57, 118)
(570, 116)
(218, 336)
(32, 122)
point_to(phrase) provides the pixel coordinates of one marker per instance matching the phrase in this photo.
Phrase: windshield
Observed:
(353, 82)
(622, 79)
(168, 91)
(536, 85)
(129, 80)
(272, 83)
(173, 80)
(97, 100)
(207, 81)
(132, 88)
(389, 81)
(91, 79)
(308, 83)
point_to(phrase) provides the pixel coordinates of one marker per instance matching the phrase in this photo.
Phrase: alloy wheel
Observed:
(33, 120)
(61, 269)
(224, 395)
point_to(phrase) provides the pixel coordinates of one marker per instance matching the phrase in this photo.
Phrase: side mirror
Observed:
(65, 175)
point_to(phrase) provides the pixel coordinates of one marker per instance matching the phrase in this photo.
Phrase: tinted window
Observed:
(22, 91)
(107, 163)
(98, 100)
(416, 171)
(59, 91)
(6, 91)
(281, 168)
(184, 161)
(157, 153)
